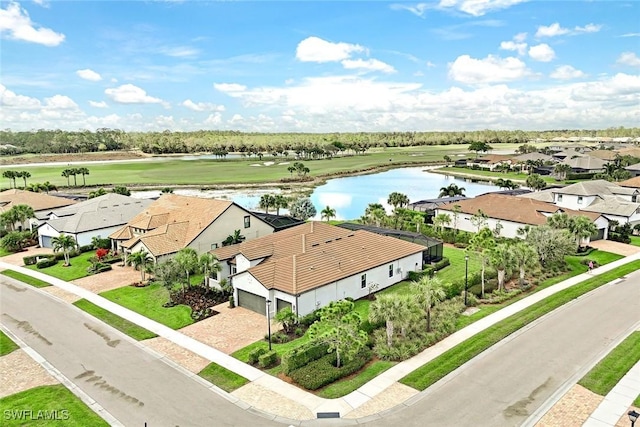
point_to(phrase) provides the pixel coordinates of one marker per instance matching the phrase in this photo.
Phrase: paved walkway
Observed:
(356, 399)
(616, 403)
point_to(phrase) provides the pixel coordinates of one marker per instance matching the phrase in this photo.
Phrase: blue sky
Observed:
(329, 66)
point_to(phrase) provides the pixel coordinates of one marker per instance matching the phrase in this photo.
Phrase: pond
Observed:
(350, 196)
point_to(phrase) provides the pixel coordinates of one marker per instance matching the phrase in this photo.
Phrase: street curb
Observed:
(84, 397)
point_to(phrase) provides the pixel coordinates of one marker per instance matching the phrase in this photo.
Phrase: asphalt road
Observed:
(130, 383)
(505, 385)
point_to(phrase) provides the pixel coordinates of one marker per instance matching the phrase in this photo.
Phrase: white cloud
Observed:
(202, 106)
(521, 48)
(542, 52)
(314, 49)
(11, 99)
(97, 104)
(491, 69)
(16, 24)
(629, 58)
(555, 29)
(180, 51)
(229, 88)
(418, 9)
(631, 35)
(368, 65)
(88, 74)
(566, 72)
(478, 7)
(214, 119)
(520, 37)
(61, 102)
(430, 64)
(130, 94)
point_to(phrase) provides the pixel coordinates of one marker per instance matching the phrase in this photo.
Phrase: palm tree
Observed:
(502, 259)
(440, 220)
(582, 227)
(83, 172)
(524, 258)
(23, 212)
(47, 186)
(280, 202)
(11, 176)
(266, 201)
(391, 310)
(187, 260)
(328, 213)
(66, 174)
(234, 238)
(430, 292)
(139, 261)
(396, 200)
(481, 245)
(561, 170)
(536, 182)
(34, 187)
(65, 243)
(506, 184)
(559, 220)
(208, 263)
(24, 175)
(97, 193)
(451, 190)
(74, 172)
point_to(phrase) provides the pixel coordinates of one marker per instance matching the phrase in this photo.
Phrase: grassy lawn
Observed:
(349, 384)
(6, 344)
(4, 252)
(148, 301)
(49, 398)
(76, 270)
(442, 365)
(25, 279)
(636, 402)
(606, 374)
(134, 331)
(635, 240)
(222, 377)
(514, 176)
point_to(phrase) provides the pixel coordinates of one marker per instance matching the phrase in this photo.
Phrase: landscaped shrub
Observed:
(60, 255)
(85, 248)
(322, 371)
(497, 297)
(444, 262)
(267, 359)
(299, 332)
(255, 354)
(310, 318)
(278, 337)
(99, 267)
(46, 263)
(33, 259)
(302, 355)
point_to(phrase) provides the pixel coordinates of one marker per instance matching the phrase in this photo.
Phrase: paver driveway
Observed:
(615, 247)
(112, 279)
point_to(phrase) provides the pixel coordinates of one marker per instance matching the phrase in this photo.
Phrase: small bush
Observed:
(33, 259)
(46, 263)
(278, 337)
(310, 318)
(268, 359)
(254, 355)
(85, 248)
(301, 356)
(299, 332)
(323, 371)
(444, 262)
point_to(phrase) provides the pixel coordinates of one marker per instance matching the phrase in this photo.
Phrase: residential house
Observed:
(491, 161)
(308, 266)
(175, 222)
(606, 155)
(39, 202)
(634, 169)
(585, 164)
(97, 217)
(429, 205)
(631, 182)
(505, 215)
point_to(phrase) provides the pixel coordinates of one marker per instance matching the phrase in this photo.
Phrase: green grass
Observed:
(514, 176)
(4, 252)
(347, 385)
(442, 365)
(239, 171)
(6, 344)
(222, 377)
(635, 240)
(49, 398)
(606, 374)
(25, 279)
(134, 331)
(148, 301)
(76, 270)
(636, 402)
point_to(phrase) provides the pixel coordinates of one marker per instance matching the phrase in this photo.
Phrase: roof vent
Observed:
(350, 235)
(338, 238)
(328, 241)
(315, 244)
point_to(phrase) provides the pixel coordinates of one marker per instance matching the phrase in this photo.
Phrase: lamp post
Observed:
(466, 278)
(633, 417)
(269, 321)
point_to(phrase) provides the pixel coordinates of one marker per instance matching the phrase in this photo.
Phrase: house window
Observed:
(559, 197)
(363, 281)
(579, 200)
(233, 269)
(214, 246)
(247, 221)
(390, 270)
(214, 275)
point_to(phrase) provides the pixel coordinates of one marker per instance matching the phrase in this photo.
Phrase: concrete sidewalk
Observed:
(617, 402)
(385, 381)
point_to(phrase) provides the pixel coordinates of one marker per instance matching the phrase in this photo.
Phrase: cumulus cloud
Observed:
(477, 7)
(229, 88)
(367, 65)
(88, 74)
(16, 24)
(97, 104)
(60, 102)
(315, 49)
(542, 52)
(202, 106)
(555, 30)
(130, 94)
(517, 44)
(491, 69)
(10, 99)
(629, 58)
(566, 72)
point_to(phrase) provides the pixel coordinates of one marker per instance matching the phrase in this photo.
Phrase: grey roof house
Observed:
(99, 216)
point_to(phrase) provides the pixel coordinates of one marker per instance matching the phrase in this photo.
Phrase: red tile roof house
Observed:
(175, 222)
(491, 161)
(41, 203)
(509, 213)
(308, 266)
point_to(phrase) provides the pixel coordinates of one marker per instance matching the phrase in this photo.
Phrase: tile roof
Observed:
(595, 187)
(603, 154)
(613, 205)
(319, 254)
(542, 195)
(534, 156)
(37, 201)
(493, 158)
(633, 167)
(585, 162)
(177, 219)
(514, 208)
(632, 182)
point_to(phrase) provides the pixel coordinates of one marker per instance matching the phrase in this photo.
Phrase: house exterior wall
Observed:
(232, 219)
(84, 238)
(247, 282)
(571, 201)
(46, 230)
(508, 228)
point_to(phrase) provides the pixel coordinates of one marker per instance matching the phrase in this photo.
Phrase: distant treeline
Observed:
(223, 142)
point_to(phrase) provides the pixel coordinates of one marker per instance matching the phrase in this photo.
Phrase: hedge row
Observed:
(323, 371)
(429, 271)
(303, 355)
(46, 263)
(268, 359)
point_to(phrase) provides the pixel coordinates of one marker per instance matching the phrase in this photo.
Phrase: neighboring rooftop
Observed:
(408, 236)
(596, 187)
(431, 204)
(535, 156)
(585, 162)
(37, 201)
(278, 222)
(612, 205)
(632, 182)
